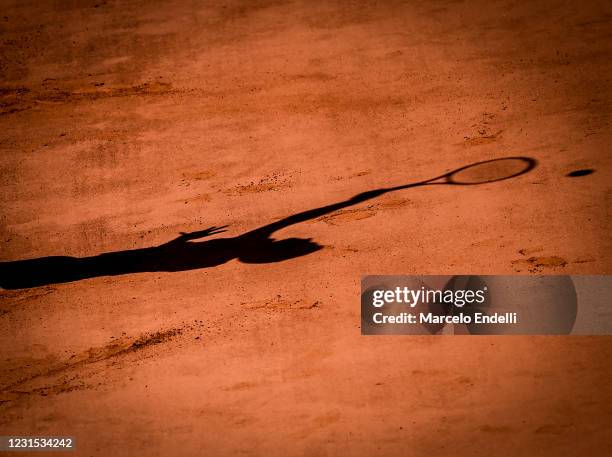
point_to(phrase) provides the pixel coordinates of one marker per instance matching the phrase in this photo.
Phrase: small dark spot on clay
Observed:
(577, 173)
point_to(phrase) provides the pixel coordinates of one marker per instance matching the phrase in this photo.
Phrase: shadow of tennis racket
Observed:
(488, 171)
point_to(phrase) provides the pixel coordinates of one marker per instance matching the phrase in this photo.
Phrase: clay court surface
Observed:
(123, 124)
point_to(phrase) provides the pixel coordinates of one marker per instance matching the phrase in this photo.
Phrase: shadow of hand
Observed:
(185, 237)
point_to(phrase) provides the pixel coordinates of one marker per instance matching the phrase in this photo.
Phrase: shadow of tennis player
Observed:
(256, 246)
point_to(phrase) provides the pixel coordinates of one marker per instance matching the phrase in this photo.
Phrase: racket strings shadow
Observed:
(256, 246)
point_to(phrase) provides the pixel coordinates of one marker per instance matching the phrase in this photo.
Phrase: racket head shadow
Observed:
(489, 171)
